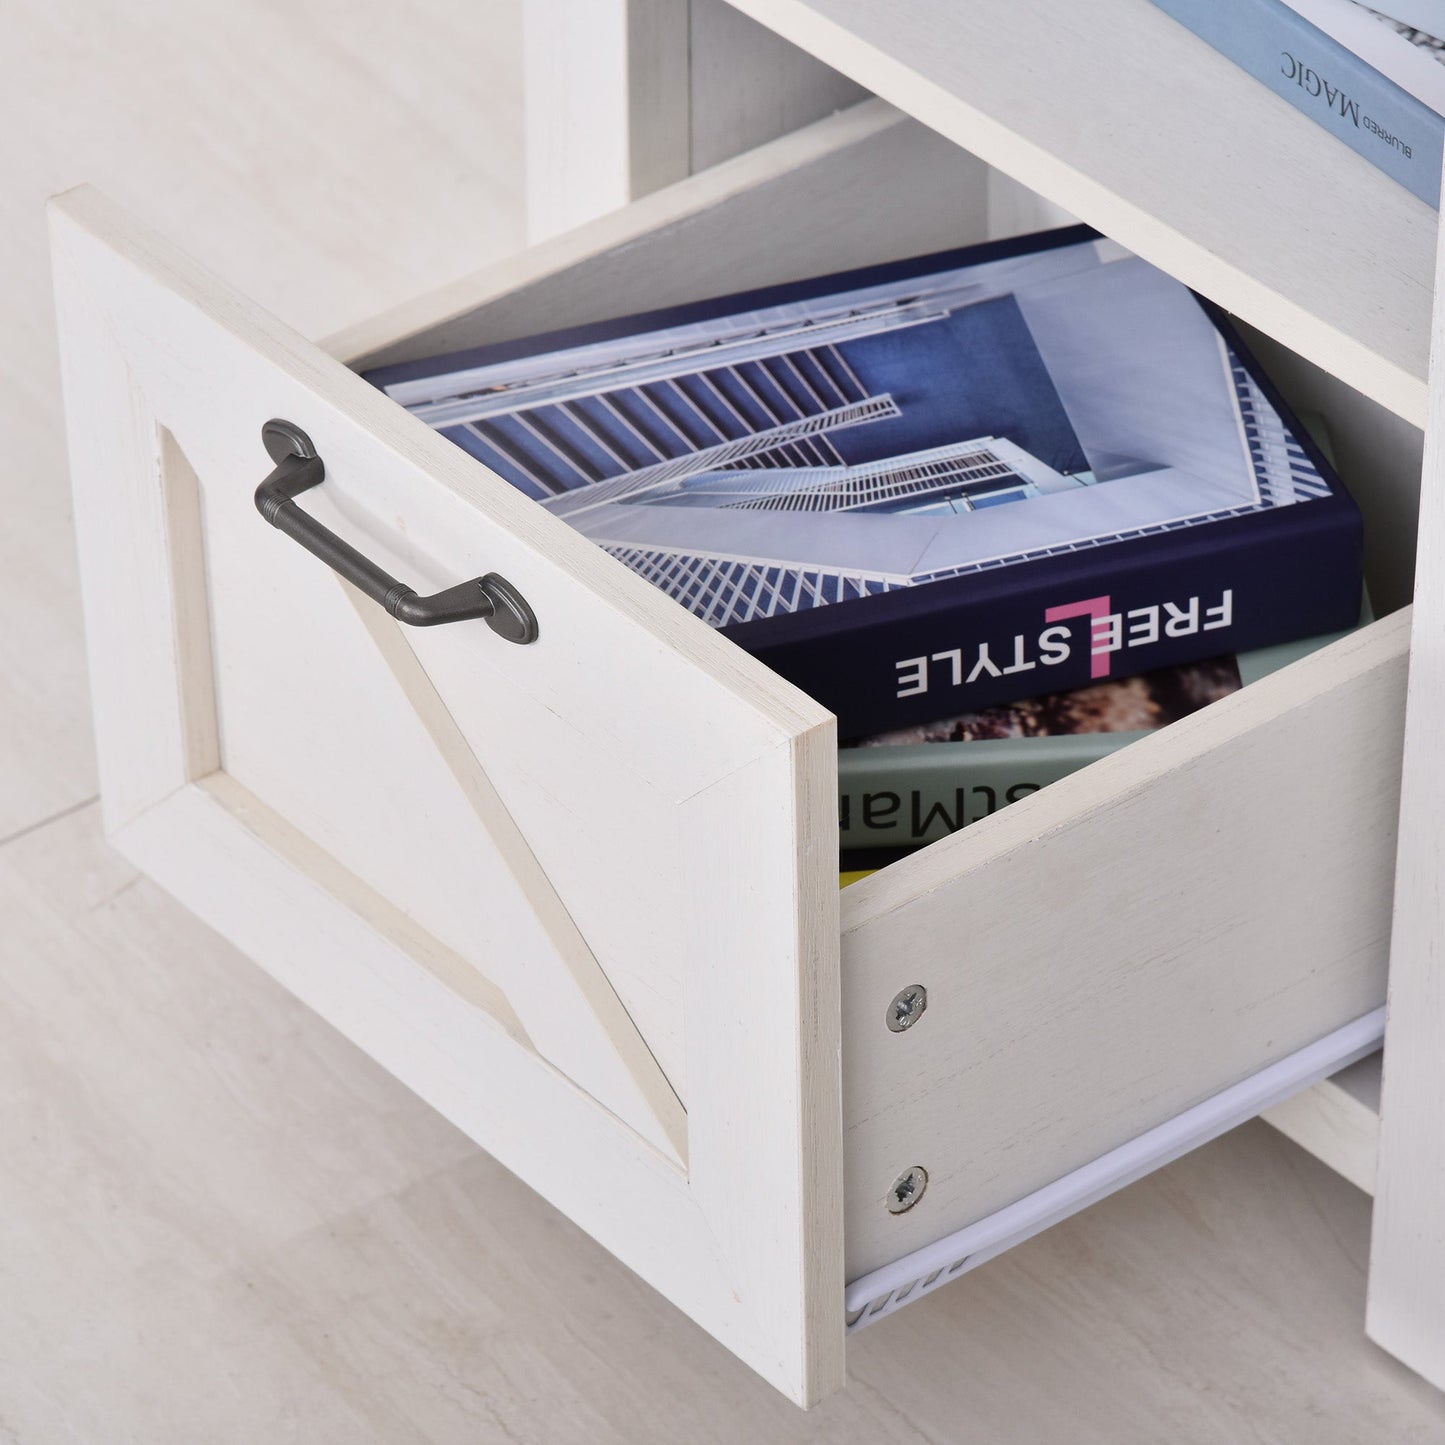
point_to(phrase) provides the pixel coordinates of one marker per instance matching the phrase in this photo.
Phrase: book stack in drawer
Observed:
(1002, 509)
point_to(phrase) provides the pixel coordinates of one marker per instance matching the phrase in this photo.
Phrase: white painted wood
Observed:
(401, 133)
(127, 585)
(1116, 948)
(338, 1262)
(1406, 1307)
(362, 759)
(749, 86)
(1015, 210)
(743, 1044)
(194, 663)
(626, 96)
(606, 106)
(270, 1239)
(862, 186)
(628, 1195)
(293, 848)
(314, 731)
(1338, 1121)
(1048, 1048)
(1362, 1084)
(1119, 115)
(876, 1295)
(577, 1010)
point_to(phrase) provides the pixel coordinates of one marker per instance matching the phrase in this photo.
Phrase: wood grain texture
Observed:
(1406, 1311)
(374, 115)
(748, 86)
(1121, 945)
(460, 1060)
(606, 105)
(571, 1013)
(232, 1226)
(763, 1026)
(794, 207)
(132, 624)
(353, 768)
(1119, 115)
(1362, 1083)
(184, 540)
(293, 848)
(1338, 1121)
(1062, 1124)
(1015, 210)
(626, 96)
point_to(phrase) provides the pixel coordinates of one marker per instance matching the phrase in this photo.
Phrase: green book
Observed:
(918, 784)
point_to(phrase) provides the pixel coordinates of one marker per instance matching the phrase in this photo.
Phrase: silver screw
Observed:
(907, 1007)
(907, 1189)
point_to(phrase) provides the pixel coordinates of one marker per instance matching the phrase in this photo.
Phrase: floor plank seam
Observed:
(45, 822)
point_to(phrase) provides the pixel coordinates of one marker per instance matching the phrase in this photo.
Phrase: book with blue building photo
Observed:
(931, 485)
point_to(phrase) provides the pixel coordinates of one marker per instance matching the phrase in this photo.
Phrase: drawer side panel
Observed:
(1113, 950)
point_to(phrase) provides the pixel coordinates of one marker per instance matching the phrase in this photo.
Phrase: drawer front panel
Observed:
(548, 885)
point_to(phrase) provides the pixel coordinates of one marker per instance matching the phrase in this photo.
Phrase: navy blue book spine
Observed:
(923, 653)
(1234, 585)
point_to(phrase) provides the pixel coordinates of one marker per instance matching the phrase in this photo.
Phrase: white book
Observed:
(1426, 15)
(1379, 46)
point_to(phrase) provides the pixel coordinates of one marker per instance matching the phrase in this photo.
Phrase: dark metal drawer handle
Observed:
(298, 469)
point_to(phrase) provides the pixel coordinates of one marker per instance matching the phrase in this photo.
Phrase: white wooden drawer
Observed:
(581, 895)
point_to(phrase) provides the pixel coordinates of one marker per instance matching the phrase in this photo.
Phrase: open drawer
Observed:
(581, 894)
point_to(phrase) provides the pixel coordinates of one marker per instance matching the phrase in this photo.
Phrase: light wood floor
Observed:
(219, 1221)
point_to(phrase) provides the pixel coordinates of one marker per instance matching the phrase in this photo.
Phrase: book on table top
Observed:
(932, 485)
(1338, 64)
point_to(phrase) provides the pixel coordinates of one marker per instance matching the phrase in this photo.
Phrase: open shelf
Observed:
(1119, 114)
